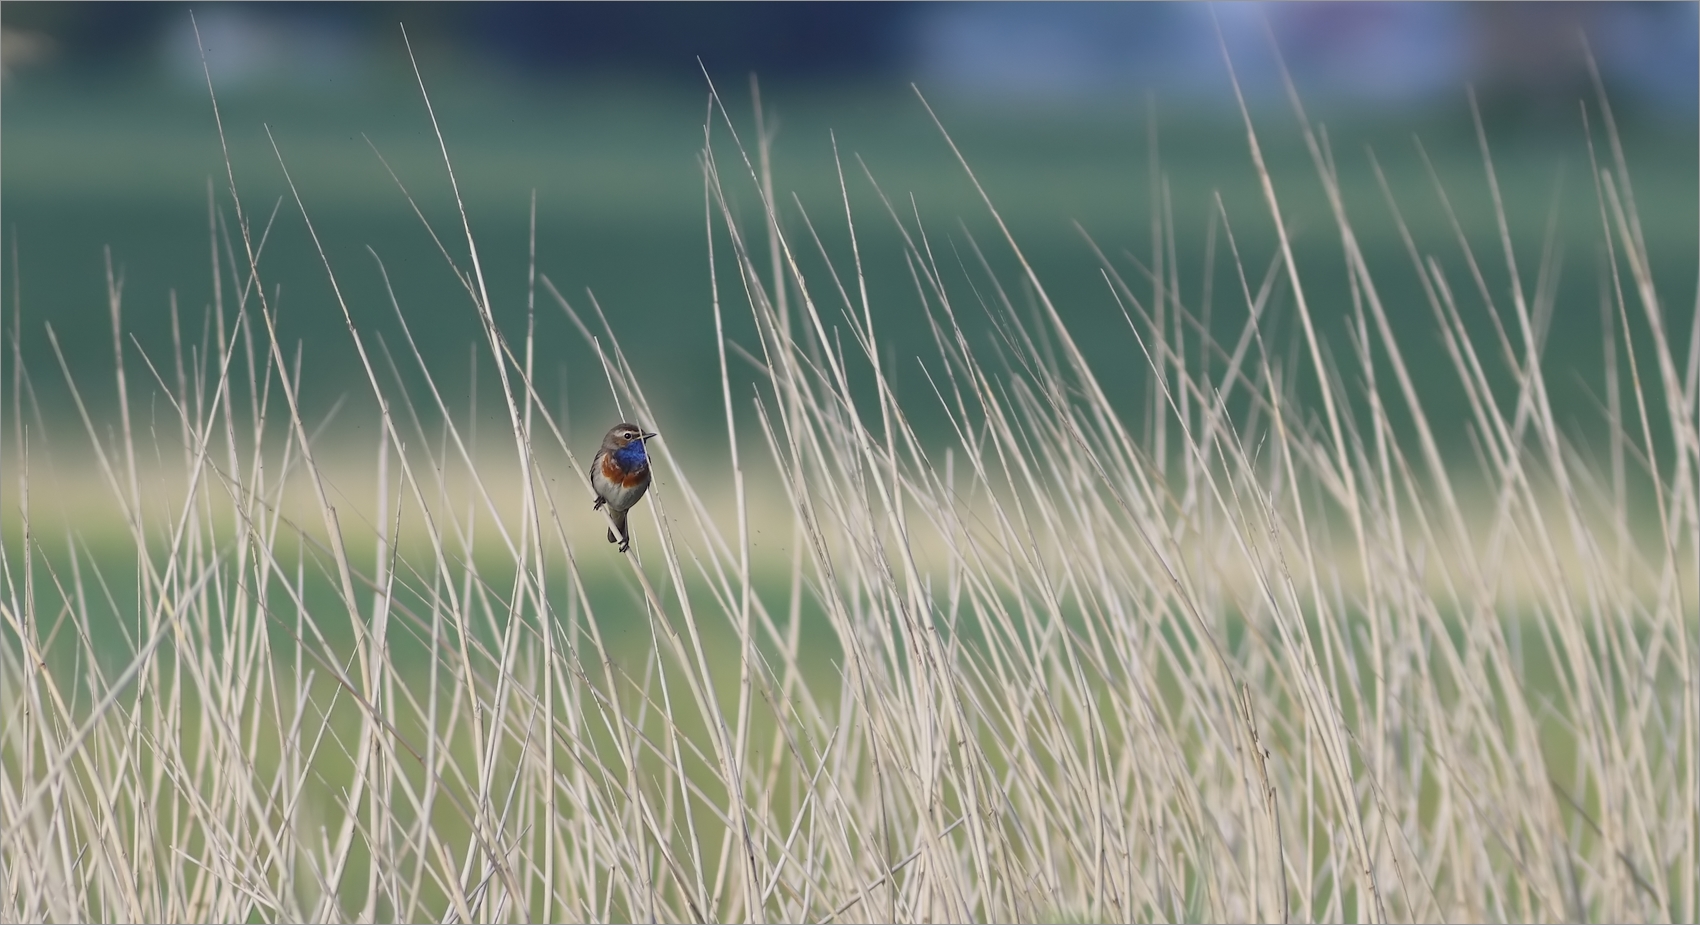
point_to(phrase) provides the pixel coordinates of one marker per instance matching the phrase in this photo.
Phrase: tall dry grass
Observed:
(1253, 652)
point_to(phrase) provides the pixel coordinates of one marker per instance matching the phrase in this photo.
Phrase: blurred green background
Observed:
(1064, 110)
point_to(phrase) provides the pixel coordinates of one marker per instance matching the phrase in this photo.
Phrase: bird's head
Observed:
(623, 435)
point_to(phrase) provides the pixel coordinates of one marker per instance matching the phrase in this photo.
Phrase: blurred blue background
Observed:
(1386, 53)
(1067, 110)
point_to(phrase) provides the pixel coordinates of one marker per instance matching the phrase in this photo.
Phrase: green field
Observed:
(620, 213)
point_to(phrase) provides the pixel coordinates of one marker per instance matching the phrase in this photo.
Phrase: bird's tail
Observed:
(619, 518)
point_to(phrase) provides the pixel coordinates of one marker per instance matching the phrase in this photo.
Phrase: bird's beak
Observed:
(647, 436)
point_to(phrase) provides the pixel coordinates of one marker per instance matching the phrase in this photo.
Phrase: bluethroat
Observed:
(620, 475)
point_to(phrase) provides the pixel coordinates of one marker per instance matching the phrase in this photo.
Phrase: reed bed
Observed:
(1254, 646)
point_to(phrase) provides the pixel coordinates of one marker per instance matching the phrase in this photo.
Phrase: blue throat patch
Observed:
(631, 456)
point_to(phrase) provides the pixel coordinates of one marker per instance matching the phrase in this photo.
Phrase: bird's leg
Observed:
(599, 502)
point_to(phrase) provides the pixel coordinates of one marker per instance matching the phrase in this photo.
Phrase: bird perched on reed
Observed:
(620, 474)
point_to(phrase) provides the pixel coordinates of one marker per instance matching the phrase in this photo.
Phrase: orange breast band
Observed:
(613, 473)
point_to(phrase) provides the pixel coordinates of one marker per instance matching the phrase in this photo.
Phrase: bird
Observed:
(619, 473)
